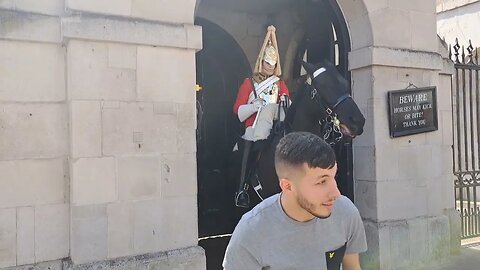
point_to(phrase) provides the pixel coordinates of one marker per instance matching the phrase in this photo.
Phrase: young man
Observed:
(257, 106)
(309, 225)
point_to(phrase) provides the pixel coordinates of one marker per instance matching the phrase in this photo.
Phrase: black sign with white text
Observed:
(412, 111)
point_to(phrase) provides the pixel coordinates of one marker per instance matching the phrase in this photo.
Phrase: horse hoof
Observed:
(242, 199)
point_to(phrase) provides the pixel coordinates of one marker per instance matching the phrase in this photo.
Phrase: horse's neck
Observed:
(303, 122)
(304, 116)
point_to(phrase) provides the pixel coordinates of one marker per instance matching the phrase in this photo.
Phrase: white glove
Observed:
(258, 103)
(245, 111)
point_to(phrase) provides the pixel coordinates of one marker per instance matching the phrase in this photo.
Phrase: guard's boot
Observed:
(242, 199)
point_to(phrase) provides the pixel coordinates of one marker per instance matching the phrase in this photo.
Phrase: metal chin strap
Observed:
(331, 128)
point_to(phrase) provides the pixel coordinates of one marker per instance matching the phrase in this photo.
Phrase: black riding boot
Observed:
(242, 199)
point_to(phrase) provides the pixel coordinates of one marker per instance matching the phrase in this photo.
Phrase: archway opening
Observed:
(232, 35)
(221, 67)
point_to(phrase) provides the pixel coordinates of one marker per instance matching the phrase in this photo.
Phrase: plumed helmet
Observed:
(269, 52)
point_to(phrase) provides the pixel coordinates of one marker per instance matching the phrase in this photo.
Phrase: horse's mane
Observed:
(299, 95)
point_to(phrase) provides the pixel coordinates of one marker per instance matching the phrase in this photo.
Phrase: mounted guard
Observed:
(260, 101)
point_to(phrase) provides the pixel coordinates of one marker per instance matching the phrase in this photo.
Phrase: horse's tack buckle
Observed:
(336, 128)
(327, 133)
(339, 138)
(335, 121)
(329, 111)
(329, 119)
(314, 92)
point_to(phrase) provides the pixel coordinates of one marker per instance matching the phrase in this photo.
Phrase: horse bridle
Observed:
(331, 120)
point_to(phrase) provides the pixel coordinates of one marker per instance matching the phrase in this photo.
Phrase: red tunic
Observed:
(243, 94)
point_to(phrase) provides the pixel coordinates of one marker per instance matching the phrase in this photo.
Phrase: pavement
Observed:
(468, 259)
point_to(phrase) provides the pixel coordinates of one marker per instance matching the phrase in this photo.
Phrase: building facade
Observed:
(459, 19)
(98, 120)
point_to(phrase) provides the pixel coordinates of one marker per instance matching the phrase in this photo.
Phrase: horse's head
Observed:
(331, 89)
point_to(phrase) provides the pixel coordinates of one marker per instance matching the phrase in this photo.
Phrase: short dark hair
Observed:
(298, 148)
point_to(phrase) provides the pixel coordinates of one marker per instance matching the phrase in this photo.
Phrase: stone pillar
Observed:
(131, 93)
(404, 185)
(97, 131)
(34, 197)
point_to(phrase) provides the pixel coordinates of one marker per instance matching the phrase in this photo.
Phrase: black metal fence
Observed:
(466, 130)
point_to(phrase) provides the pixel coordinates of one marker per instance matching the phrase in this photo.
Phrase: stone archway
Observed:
(246, 23)
(358, 22)
(351, 15)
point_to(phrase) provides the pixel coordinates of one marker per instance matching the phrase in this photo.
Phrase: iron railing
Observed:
(466, 138)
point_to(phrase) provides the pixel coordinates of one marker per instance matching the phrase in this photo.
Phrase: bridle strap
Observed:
(318, 100)
(330, 126)
(318, 72)
(340, 100)
(328, 109)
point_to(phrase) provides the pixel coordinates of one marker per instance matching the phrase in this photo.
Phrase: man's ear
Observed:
(285, 184)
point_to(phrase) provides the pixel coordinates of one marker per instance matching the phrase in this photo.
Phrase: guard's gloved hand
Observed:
(246, 110)
(258, 103)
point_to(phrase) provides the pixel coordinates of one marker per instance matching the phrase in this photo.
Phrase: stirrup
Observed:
(242, 199)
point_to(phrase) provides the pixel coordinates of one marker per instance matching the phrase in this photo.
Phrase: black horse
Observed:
(323, 107)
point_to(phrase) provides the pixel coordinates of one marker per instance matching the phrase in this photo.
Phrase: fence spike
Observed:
(463, 54)
(476, 55)
(456, 47)
(470, 52)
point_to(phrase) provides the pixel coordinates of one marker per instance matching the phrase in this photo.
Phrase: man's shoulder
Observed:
(344, 206)
(258, 215)
(348, 217)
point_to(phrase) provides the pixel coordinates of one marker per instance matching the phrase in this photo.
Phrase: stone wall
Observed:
(248, 29)
(406, 194)
(97, 131)
(459, 19)
(34, 138)
(245, 28)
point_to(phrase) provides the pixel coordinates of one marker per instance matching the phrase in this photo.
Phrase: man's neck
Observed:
(293, 210)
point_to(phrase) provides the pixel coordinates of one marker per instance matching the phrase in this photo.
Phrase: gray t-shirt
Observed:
(266, 238)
